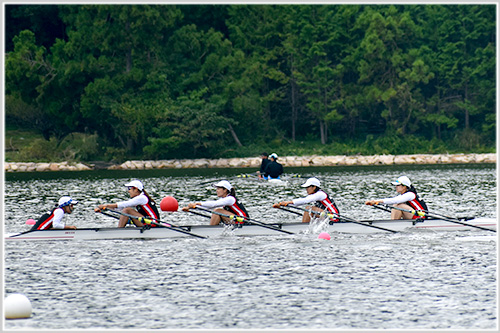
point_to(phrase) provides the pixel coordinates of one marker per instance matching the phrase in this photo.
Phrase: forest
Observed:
(117, 82)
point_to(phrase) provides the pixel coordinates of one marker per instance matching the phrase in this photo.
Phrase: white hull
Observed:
(248, 230)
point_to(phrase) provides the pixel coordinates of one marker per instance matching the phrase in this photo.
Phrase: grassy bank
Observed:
(23, 145)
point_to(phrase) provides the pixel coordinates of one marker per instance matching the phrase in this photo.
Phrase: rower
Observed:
(227, 204)
(407, 198)
(139, 205)
(315, 195)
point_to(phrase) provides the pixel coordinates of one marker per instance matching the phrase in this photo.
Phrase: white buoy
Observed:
(17, 306)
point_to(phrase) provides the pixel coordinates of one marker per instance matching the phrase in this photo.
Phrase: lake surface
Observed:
(413, 280)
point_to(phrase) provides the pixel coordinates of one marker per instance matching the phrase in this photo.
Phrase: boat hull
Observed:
(249, 230)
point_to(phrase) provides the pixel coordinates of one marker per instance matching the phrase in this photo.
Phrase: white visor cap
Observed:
(225, 184)
(403, 180)
(137, 184)
(65, 201)
(312, 182)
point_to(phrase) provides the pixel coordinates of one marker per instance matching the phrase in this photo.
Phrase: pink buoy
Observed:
(30, 222)
(324, 235)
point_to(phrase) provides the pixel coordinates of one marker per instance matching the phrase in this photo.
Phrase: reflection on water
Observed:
(418, 280)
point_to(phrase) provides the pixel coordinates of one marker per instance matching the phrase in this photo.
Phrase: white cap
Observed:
(311, 182)
(65, 201)
(403, 180)
(137, 184)
(225, 184)
(273, 155)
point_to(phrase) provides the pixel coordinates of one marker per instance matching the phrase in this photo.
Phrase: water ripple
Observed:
(420, 280)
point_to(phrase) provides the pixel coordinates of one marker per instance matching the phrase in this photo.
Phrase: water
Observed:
(417, 280)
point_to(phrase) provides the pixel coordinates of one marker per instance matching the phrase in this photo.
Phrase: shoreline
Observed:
(254, 162)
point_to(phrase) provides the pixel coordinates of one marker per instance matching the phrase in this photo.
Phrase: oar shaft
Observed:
(245, 219)
(145, 220)
(290, 211)
(382, 208)
(426, 213)
(115, 217)
(200, 214)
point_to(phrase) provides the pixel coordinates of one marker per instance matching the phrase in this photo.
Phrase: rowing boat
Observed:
(248, 229)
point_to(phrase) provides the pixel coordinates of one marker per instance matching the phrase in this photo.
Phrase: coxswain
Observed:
(53, 218)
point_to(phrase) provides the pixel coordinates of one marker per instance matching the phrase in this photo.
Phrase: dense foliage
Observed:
(186, 81)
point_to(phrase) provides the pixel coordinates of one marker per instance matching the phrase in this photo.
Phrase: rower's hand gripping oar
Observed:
(151, 220)
(334, 215)
(424, 213)
(245, 219)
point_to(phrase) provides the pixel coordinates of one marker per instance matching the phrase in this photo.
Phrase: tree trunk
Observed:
(293, 94)
(129, 51)
(294, 109)
(466, 108)
(235, 137)
(322, 130)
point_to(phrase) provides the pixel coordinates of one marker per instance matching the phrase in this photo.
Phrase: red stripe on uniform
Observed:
(150, 211)
(238, 210)
(330, 206)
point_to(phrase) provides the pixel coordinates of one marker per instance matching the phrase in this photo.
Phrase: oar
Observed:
(245, 219)
(332, 215)
(382, 208)
(113, 216)
(289, 210)
(200, 214)
(246, 175)
(425, 213)
(148, 220)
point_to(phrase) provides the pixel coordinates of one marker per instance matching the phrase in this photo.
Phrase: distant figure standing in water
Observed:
(263, 165)
(273, 168)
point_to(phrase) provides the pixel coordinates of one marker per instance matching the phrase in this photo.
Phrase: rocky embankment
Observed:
(254, 162)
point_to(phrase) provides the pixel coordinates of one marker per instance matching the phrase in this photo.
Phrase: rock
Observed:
(386, 159)
(42, 167)
(200, 163)
(351, 160)
(82, 167)
(54, 167)
(254, 162)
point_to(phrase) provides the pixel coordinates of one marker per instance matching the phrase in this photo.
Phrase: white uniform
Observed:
(222, 202)
(139, 200)
(318, 196)
(57, 222)
(402, 198)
